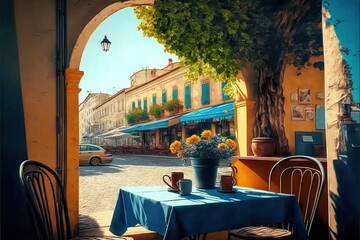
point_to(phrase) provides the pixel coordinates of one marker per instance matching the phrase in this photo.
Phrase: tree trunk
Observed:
(269, 121)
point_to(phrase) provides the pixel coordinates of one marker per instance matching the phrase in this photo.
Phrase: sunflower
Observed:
(206, 134)
(222, 146)
(231, 143)
(175, 147)
(193, 139)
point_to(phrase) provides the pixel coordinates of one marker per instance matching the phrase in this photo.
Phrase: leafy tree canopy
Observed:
(216, 38)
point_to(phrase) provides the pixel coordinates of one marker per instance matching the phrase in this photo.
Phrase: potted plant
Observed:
(205, 152)
(136, 116)
(172, 105)
(156, 110)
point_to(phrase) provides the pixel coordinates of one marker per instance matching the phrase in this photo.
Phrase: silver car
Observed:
(93, 155)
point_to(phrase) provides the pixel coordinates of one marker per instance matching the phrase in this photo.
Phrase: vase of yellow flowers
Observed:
(205, 152)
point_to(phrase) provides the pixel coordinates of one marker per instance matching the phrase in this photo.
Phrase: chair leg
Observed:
(229, 236)
(198, 237)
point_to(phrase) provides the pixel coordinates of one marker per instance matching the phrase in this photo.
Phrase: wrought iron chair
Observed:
(46, 199)
(47, 203)
(304, 181)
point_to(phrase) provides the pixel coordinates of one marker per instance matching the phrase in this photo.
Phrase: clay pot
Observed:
(263, 146)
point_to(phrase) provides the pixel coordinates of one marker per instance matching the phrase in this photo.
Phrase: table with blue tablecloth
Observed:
(205, 210)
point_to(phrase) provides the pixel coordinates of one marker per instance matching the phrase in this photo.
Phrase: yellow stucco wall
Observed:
(311, 78)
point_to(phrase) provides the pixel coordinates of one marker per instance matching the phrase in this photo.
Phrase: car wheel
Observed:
(95, 161)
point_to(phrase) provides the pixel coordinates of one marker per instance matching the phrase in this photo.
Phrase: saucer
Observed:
(173, 190)
(227, 191)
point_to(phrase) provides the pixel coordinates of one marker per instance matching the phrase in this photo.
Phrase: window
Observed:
(205, 93)
(154, 99)
(133, 105)
(145, 104)
(175, 93)
(224, 95)
(139, 103)
(163, 98)
(188, 96)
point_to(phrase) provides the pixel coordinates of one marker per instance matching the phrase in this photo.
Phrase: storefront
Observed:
(219, 119)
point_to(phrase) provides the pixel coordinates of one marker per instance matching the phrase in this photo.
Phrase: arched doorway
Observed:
(78, 36)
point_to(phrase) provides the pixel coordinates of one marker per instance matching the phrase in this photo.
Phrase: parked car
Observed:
(93, 155)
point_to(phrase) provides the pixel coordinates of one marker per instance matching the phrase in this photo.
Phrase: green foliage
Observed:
(137, 115)
(172, 104)
(155, 110)
(216, 38)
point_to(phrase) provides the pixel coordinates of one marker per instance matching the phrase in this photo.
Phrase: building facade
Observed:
(151, 87)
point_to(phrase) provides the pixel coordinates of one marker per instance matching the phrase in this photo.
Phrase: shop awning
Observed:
(223, 111)
(162, 123)
(120, 135)
(131, 129)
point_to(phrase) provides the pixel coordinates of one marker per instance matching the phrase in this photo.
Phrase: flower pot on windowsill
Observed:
(263, 146)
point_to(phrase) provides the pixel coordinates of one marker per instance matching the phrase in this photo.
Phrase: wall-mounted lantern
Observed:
(105, 44)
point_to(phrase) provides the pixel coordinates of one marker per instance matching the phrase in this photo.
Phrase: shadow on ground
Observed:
(86, 170)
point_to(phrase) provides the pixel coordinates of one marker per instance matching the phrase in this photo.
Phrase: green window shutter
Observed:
(133, 105)
(139, 103)
(224, 95)
(154, 99)
(174, 93)
(188, 96)
(163, 98)
(145, 104)
(205, 93)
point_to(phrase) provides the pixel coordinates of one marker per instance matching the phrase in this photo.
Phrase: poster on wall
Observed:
(304, 96)
(297, 113)
(320, 117)
(309, 114)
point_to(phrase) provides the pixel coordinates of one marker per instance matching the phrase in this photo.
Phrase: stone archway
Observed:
(77, 39)
(79, 32)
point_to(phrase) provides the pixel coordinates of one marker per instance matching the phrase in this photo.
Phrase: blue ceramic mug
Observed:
(185, 186)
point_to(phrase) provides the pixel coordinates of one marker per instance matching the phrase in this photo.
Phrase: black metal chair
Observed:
(305, 181)
(46, 199)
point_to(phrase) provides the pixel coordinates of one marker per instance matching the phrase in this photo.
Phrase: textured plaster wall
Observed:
(311, 78)
(35, 28)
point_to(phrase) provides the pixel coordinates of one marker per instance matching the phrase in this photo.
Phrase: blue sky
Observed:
(130, 51)
(348, 33)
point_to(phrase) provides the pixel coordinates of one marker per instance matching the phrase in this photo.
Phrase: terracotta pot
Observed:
(263, 146)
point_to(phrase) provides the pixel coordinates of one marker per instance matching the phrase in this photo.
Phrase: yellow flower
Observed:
(223, 146)
(231, 143)
(206, 134)
(193, 139)
(175, 146)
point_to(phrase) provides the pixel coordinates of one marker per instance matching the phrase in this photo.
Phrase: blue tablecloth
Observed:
(175, 216)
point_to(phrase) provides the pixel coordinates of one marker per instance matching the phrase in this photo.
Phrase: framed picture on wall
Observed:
(304, 96)
(309, 114)
(297, 113)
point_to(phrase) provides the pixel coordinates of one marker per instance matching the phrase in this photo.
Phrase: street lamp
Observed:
(105, 44)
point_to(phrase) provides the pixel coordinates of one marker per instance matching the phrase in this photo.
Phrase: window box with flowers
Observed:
(173, 105)
(136, 116)
(205, 152)
(156, 111)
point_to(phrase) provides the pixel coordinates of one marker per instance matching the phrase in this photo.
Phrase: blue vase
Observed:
(205, 171)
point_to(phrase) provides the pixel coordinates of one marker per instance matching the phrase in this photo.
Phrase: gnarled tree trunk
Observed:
(270, 112)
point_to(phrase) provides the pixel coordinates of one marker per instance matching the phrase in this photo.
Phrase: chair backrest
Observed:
(46, 200)
(304, 177)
